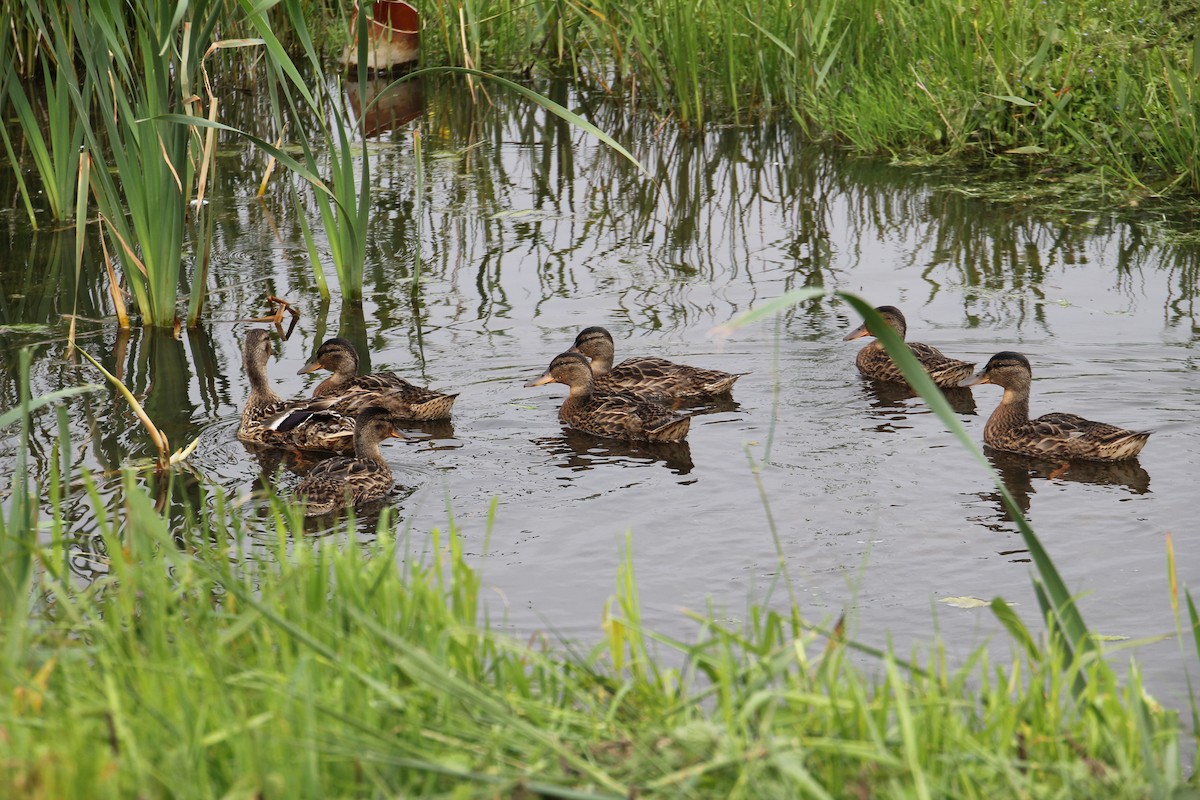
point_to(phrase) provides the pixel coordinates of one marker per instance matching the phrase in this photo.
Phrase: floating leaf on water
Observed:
(1028, 150)
(1109, 637)
(964, 602)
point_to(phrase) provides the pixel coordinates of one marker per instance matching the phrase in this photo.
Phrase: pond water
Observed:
(531, 231)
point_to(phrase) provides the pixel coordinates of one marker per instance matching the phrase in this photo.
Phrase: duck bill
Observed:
(857, 333)
(575, 349)
(975, 380)
(311, 367)
(542, 381)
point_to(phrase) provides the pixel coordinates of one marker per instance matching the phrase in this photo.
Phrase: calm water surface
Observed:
(530, 232)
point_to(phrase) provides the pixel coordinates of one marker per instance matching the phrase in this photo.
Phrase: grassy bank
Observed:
(1108, 88)
(192, 670)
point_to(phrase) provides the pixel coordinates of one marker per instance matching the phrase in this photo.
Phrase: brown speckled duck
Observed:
(337, 483)
(615, 415)
(269, 420)
(651, 377)
(354, 392)
(874, 362)
(1052, 436)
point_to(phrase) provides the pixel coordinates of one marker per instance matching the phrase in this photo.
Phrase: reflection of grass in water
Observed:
(336, 668)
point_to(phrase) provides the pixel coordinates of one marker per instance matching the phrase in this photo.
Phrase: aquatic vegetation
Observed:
(1083, 86)
(115, 76)
(54, 151)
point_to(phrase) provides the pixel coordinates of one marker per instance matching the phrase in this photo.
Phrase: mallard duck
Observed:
(650, 377)
(270, 420)
(403, 399)
(615, 415)
(1052, 436)
(336, 483)
(874, 362)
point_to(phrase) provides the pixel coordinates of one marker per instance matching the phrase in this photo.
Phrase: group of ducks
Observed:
(348, 413)
(637, 400)
(352, 413)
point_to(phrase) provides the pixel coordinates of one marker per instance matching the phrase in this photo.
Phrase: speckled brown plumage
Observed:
(615, 415)
(1051, 436)
(650, 377)
(337, 483)
(267, 419)
(874, 362)
(402, 399)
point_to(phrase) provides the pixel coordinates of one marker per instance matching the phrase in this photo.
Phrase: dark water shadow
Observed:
(884, 396)
(711, 405)
(581, 451)
(439, 434)
(1019, 474)
(387, 105)
(272, 461)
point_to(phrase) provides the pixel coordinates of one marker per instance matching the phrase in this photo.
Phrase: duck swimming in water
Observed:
(355, 392)
(615, 415)
(270, 420)
(650, 377)
(337, 483)
(874, 361)
(1051, 436)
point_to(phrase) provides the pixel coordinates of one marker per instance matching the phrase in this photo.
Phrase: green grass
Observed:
(192, 669)
(53, 145)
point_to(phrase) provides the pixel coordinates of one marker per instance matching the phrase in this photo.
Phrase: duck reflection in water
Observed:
(437, 433)
(885, 397)
(584, 451)
(1019, 471)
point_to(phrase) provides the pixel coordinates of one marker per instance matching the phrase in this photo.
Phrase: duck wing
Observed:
(660, 378)
(1073, 436)
(402, 399)
(946, 372)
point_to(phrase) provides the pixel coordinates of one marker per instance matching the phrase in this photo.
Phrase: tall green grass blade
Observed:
(310, 245)
(1016, 629)
(18, 538)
